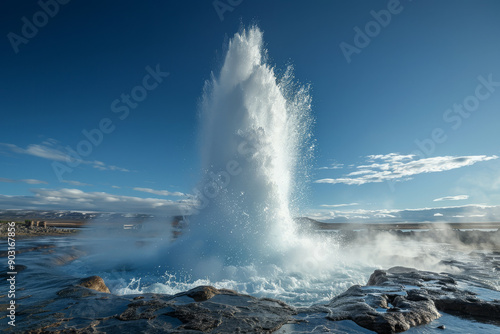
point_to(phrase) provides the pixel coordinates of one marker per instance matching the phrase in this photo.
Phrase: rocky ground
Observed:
(392, 301)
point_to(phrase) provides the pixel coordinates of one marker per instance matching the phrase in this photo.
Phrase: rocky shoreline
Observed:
(28, 230)
(392, 301)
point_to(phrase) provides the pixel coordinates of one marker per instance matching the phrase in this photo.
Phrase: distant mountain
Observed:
(54, 215)
(453, 214)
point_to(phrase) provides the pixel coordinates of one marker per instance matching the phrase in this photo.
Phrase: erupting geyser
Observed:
(256, 145)
(255, 138)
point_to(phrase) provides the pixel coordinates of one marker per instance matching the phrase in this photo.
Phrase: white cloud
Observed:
(76, 183)
(75, 199)
(41, 151)
(160, 192)
(102, 166)
(398, 167)
(28, 181)
(338, 205)
(384, 215)
(333, 166)
(51, 150)
(452, 198)
(391, 157)
(33, 181)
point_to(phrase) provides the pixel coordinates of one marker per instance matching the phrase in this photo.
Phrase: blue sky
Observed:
(390, 130)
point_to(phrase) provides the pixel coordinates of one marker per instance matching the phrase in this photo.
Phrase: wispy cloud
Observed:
(102, 166)
(397, 167)
(41, 151)
(160, 192)
(333, 166)
(76, 183)
(338, 205)
(52, 150)
(33, 181)
(452, 198)
(28, 181)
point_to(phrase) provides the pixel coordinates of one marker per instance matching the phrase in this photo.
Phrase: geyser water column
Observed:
(254, 128)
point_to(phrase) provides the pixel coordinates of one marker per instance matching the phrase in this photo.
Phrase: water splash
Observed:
(255, 146)
(255, 131)
(255, 141)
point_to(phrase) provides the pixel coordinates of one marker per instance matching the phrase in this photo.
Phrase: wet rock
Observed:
(202, 293)
(393, 301)
(459, 303)
(217, 311)
(422, 293)
(368, 307)
(94, 283)
(400, 298)
(233, 313)
(377, 278)
(84, 288)
(75, 292)
(142, 309)
(48, 330)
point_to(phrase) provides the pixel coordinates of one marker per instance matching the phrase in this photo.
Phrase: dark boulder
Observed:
(94, 283)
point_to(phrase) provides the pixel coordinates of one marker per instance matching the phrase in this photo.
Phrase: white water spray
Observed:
(255, 131)
(255, 139)
(255, 146)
